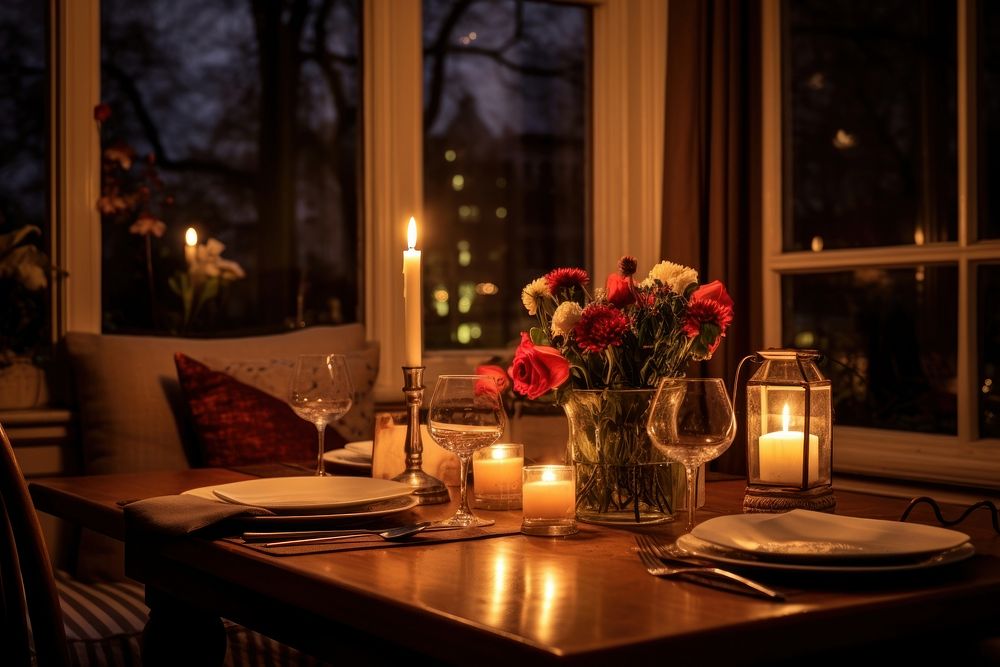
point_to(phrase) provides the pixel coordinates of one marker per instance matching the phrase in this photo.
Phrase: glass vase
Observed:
(620, 476)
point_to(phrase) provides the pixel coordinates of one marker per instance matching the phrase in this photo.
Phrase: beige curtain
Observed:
(711, 172)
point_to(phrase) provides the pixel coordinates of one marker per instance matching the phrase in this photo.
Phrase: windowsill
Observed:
(904, 489)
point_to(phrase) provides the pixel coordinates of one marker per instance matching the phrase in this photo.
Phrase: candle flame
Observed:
(411, 233)
(786, 418)
(548, 476)
(191, 236)
(497, 452)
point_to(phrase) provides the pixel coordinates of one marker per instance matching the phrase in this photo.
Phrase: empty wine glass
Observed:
(466, 414)
(692, 422)
(321, 392)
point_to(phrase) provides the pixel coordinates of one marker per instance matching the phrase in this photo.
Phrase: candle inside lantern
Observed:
(781, 455)
(412, 318)
(191, 246)
(497, 471)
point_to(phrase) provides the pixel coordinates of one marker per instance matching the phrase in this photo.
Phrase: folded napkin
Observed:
(182, 514)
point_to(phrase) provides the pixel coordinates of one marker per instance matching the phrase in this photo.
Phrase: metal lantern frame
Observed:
(771, 496)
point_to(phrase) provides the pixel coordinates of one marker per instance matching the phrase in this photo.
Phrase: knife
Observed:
(300, 534)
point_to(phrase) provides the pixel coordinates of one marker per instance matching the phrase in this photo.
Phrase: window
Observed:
(24, 217)
(505, 119)
(239, 120)
(870, 254)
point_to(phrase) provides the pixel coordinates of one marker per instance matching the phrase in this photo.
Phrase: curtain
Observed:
(711, 200)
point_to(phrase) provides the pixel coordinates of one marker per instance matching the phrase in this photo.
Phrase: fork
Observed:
(700, 574)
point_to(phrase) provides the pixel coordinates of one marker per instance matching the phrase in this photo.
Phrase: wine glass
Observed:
(691, 421)
(466, 414)
(321, 391)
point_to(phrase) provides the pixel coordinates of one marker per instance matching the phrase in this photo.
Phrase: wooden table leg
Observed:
(179, 634)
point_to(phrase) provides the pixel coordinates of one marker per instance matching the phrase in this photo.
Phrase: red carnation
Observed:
(601, 326)
(709, 313)
(558, 279)
(536, 369)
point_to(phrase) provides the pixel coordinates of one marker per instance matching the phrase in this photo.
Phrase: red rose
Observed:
(620, 289)
(537, 369)
(495, 371)
(716, 291)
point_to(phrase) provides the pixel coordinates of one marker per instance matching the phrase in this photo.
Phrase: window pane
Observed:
(240, 120)
(989, 352)
(505, 92)
(24, 299)
(870, 123)
(989, 120)
(890, 337)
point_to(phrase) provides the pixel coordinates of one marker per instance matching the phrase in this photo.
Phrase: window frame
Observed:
(627, 98)
(963, 458)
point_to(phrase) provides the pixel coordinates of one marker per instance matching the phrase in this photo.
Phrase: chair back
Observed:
(29, 601)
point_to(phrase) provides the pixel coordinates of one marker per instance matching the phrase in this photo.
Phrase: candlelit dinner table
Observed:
(581, 599)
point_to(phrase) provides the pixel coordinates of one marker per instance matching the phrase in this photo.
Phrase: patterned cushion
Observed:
(104, 625)
(238, 424)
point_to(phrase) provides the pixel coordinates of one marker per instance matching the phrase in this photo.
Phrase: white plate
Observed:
(805, 535)
(711, 552)
(368, 510)
(363, 447)
(345, 457)
(310, 493)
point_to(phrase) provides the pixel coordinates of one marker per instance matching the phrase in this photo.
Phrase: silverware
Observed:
(390, 535)
(649, 555)
(300, 534)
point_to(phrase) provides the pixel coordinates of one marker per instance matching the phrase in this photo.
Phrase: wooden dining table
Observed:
(581, 600)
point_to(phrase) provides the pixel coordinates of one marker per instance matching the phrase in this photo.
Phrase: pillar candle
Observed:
(780, 455)
(412, 319)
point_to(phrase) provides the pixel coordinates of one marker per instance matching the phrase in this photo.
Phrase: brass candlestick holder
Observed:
(428, 489)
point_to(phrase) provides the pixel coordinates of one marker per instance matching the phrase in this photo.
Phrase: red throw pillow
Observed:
(239, 425)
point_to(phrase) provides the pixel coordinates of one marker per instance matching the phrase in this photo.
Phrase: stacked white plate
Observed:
(802, 540)
(354, 454)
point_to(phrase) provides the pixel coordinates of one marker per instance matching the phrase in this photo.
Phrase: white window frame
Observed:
(964, 458)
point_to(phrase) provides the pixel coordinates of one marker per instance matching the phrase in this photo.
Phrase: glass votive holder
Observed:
(548, 497)
(497, 473)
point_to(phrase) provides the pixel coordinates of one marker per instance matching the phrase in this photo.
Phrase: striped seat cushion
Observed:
(104, 623)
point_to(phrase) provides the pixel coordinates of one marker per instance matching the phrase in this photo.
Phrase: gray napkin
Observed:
(182, 514)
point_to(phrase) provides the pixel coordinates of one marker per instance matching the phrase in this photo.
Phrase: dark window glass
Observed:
(505, 118)
(240, 120)
(989, 119)
(988, 380)
(869, 123)
(24, 223)
(890, 338)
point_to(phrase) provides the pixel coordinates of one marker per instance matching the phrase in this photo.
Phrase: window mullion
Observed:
(76, 168)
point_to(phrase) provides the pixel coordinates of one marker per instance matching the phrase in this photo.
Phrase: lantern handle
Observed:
(755, 358)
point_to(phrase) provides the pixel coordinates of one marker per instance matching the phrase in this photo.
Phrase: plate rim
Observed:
(949, 556)
(330, 457)
(206, 493)
(800, 556)
(401, 491)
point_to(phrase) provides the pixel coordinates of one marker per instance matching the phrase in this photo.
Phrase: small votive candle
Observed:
(549, 500)
(497, 474)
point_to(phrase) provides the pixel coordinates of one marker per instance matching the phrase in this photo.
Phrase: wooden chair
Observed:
(30, 599)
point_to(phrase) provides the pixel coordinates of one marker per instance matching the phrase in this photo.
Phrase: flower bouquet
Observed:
(602, 353)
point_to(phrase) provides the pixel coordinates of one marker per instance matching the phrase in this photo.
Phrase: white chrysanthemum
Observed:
(565, 318)
(600, 294)
(675, 276)
(533, 293)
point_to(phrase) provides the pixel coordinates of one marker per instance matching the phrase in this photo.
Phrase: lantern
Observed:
(789, 434)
